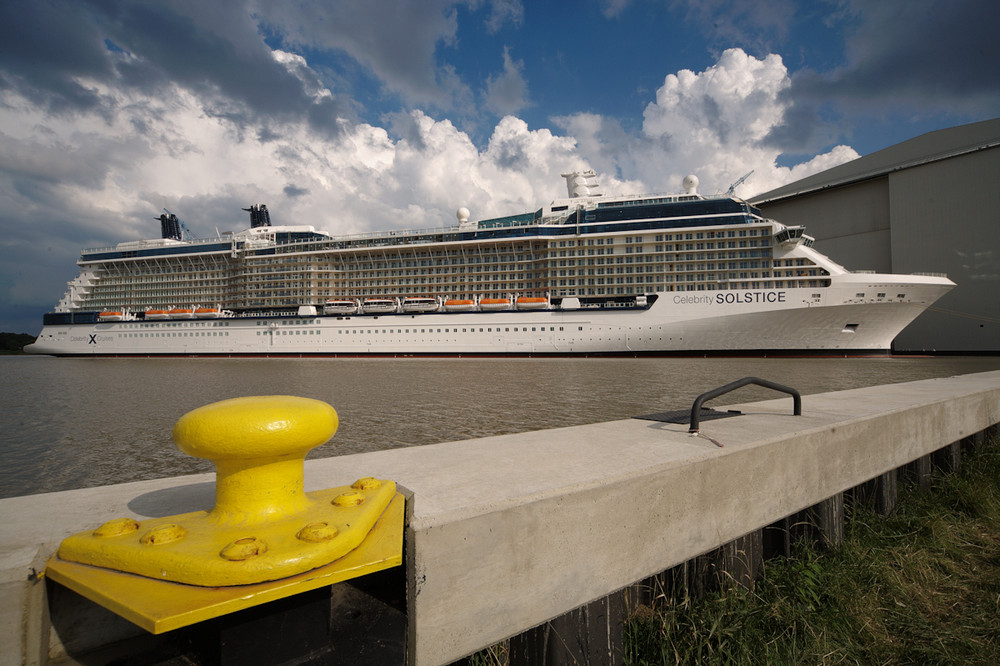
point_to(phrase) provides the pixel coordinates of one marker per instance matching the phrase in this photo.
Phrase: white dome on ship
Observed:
(690, 184)
(463, 215)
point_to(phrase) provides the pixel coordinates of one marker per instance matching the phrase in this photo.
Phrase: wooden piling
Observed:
(947, 459)
(974, 442)
(878, 494)
(917, 472)
(591, 634)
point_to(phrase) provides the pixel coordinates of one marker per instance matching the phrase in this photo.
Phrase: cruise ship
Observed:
(590, 274)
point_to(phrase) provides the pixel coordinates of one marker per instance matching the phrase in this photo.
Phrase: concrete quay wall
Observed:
(506, 533)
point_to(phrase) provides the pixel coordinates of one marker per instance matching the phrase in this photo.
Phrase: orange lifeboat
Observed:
(340, 306)
(493, 304)
(111, 315)
(182, 313)
(207, 313)
(459, 305)
(532, 303)
(157, 314)
(378, 305)
(420, 304)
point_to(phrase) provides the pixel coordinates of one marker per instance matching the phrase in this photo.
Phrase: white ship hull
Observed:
(856, 314)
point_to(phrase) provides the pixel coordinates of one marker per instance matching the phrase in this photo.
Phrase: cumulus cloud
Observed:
(397, 40)
(712, 123)
(507, 93)
(715, 124)
(63, 55)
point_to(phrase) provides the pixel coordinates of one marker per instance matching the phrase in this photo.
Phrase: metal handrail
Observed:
(732, 386)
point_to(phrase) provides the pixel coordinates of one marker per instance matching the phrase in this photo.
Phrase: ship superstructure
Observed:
(588, 251)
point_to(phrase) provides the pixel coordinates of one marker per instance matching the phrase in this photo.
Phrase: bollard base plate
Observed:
(160, 606)
(233, 547)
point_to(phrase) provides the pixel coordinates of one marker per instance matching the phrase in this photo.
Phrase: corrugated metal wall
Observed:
(945, 218)
(938, 217)
(850, 224)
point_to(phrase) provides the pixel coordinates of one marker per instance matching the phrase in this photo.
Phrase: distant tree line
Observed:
(11, 343)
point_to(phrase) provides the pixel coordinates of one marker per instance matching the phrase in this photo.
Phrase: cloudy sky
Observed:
(355, 115)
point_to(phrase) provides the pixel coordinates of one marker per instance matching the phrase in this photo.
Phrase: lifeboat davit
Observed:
(157, 314)
(459, 305)
(494, 304)
(420, 304)
(111, 315)
(182, 313)
(207, 313)
(378, 305)
(340, 306)
(532, 303)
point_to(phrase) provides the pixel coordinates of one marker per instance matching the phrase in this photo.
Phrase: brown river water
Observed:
(75, 423)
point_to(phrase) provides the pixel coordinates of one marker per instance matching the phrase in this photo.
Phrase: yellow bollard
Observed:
(263, 527)
(258, 446)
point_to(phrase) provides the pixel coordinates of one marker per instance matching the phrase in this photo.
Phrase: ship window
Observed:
(900, 295)
(860, 294)
(881, 295)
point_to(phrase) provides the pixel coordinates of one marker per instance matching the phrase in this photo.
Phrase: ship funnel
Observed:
(170, 226)
(582, 184)
(259, 217)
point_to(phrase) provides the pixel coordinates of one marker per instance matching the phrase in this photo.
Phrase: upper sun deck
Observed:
(587, 204)
(585, 212)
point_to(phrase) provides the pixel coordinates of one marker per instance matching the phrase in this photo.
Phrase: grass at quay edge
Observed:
(921, 586)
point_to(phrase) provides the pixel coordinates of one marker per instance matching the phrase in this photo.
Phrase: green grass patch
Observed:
(919, 587)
